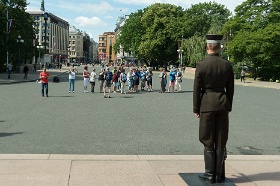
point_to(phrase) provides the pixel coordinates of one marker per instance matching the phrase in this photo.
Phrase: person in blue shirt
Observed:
(172, 75)
(143, 79)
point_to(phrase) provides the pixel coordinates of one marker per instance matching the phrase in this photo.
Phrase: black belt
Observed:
(218, 90)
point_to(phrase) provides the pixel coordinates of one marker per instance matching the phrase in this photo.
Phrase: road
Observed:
(143, 123)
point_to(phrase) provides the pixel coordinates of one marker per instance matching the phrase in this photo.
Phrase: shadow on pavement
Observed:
(9, 134)
(268, 176)
(192, 179)
(61, 96)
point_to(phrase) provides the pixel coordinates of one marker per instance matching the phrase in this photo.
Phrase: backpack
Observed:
(124, 77)
(56, 79)
(136, 76)
(101, 76)
(179, 74)
(109, 76)
(149, 76)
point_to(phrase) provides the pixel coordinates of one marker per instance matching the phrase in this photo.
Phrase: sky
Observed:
(98, 16)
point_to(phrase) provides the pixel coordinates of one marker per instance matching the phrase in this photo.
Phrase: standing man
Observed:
(212, 101)
(25, 71)
(242, 76)
(108, 82)
(44, 76)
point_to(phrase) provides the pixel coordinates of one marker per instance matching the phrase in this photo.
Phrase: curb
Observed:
(24, 81)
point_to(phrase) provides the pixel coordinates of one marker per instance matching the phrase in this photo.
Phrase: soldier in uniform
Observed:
(212, 101)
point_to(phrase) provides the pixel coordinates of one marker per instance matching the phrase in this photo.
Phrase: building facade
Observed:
(75, 45)
(52, 36)
(105, 48)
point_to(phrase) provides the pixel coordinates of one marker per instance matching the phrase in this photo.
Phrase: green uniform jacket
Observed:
(213, 85)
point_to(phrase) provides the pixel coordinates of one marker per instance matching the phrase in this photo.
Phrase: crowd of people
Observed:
(135, 77)
(117, 79)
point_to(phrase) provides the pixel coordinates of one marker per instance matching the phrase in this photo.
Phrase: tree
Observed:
(255, 34)
(152, 34)
(131, 33)
(162, 23)
(22, 25)
(203, 17)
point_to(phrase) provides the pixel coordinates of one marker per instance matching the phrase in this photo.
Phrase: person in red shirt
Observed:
(86, 78)
(44, 76)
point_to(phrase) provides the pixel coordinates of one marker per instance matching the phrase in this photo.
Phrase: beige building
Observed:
(105, 48)
(75, 45)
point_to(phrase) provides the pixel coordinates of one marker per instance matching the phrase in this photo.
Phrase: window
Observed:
(73, 42)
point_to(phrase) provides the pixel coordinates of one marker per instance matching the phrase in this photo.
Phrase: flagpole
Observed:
(7, 34)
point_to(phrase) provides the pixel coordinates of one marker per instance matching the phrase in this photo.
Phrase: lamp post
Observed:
(68, 55)
(19, 41)
(180, 52)
(39, 49)
(46, 15)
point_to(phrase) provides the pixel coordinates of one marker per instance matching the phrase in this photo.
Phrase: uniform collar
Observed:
(214, 54)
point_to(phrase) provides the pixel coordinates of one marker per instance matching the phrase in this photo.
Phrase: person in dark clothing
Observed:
(25, 71)
(212, 101)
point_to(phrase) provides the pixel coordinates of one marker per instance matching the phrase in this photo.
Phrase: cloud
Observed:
(185, 4)
(109, 17)
(101, 8)
(89, 22)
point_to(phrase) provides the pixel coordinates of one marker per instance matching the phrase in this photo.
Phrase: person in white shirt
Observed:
(72, 74)
(178, 82)
(130, 80)
(123, 78)
(92, 79)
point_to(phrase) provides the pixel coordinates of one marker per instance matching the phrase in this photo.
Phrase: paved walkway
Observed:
(131, 170)
(126, 170)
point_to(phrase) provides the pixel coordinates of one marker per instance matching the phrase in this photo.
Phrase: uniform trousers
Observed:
(213, 130)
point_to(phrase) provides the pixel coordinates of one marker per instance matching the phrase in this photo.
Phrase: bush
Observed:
(271, 72)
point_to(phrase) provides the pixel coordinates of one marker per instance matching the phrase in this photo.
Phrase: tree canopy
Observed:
(255, 34)
(21, 25)
(155, 33)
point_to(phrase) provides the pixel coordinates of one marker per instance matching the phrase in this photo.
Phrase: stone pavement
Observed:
(126, 170)
(120, 170)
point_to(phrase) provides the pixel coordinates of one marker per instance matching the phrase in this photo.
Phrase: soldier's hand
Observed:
(197, 115)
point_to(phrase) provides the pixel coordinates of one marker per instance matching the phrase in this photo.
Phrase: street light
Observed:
(39, 49)
(46, 15)
(180, 52)
(19, 41)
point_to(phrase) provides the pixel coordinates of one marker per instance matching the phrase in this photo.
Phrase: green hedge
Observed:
(267, 73)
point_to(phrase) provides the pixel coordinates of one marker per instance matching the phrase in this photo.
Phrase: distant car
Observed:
(76, 64)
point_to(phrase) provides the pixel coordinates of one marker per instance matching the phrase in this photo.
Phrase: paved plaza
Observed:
(142, 138)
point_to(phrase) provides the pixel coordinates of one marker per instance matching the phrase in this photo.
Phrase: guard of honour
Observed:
(212, 99)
